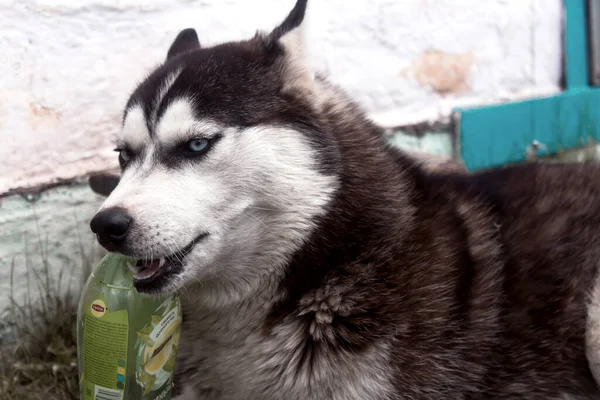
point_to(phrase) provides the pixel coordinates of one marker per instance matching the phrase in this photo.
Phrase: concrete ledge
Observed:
(51, 227)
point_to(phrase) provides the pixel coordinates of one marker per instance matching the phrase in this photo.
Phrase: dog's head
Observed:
(220, 151)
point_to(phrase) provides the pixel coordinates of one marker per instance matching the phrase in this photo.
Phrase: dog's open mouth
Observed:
(151, 269)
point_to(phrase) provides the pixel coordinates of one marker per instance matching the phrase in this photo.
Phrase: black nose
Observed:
(111, 226)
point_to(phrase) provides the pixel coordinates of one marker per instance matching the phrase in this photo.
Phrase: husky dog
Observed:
(315, 262)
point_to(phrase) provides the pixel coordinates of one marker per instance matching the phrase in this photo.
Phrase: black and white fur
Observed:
(315, 262)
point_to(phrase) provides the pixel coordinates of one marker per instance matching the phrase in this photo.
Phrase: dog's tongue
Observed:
(147, 268)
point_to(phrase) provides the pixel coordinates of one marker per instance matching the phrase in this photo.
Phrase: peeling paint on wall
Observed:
(42, 116)
(443, 72)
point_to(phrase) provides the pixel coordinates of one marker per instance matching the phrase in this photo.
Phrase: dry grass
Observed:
(38, 357)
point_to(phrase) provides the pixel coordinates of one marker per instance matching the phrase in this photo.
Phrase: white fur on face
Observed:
(256, 193)
(161, 93)
(179, 124)
(135, 131)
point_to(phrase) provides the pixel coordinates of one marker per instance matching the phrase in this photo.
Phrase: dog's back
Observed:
(526, 261)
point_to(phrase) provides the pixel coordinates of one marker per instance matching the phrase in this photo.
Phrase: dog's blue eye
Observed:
(197, 145)
(125, 155)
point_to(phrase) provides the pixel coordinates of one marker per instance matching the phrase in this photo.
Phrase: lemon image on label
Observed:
(157, 343)
(156, 358)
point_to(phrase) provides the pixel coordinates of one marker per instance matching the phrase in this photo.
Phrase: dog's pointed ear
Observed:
(186, 40)
(103, 184)
(292, 22)
(290, 34)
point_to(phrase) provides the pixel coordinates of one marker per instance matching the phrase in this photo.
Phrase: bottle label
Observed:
(105, 361)
(150, 336)
(156, 349)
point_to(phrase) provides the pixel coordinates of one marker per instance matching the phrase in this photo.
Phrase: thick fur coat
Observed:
(323, 264)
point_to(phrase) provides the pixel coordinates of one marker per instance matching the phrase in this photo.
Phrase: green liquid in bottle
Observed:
(126, 343)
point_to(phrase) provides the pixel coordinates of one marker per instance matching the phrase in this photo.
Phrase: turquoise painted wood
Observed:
(497, 135)
(494, 136)
(576, 44)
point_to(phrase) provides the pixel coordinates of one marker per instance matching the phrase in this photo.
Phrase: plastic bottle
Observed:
(126, 342)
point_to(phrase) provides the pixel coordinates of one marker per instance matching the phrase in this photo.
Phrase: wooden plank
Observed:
(507, 133)
(576, 44)
(594, 39)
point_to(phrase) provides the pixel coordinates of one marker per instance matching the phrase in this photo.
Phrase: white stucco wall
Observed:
(67, 66)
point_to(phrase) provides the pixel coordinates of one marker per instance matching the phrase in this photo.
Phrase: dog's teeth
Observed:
(133, 268)
(161, 262)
